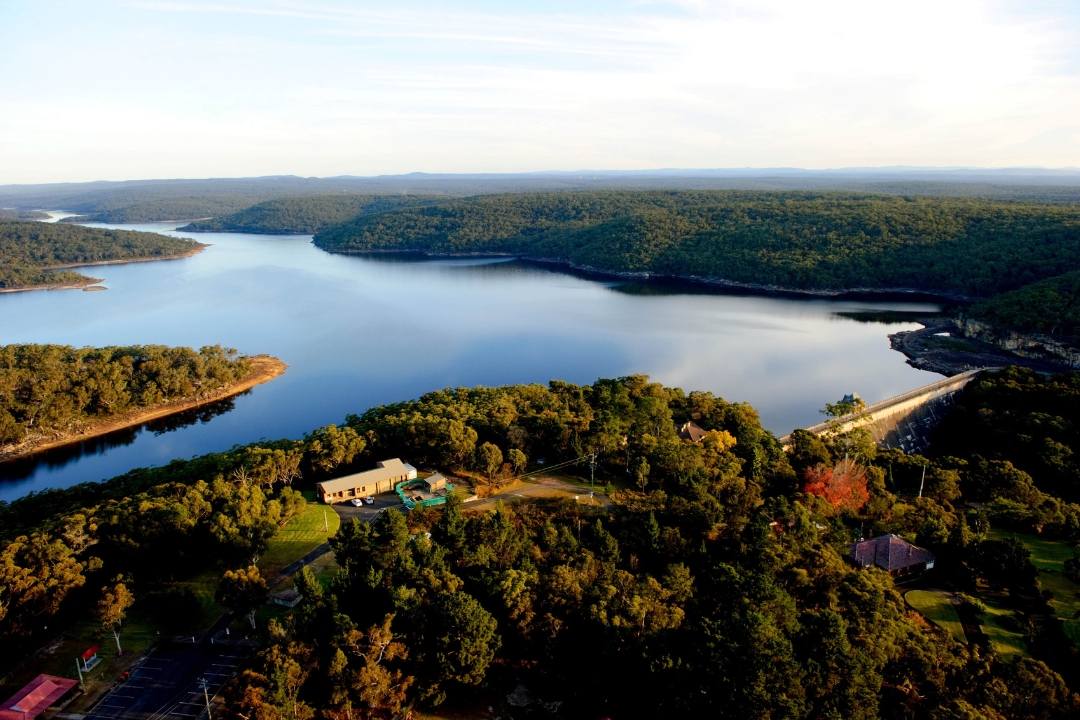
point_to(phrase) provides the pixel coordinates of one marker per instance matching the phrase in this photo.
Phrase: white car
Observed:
(369, 500)
(356, 502)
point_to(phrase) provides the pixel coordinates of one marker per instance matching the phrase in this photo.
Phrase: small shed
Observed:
(289, 598)
(90, 658)
(41, 693)
(435, 482)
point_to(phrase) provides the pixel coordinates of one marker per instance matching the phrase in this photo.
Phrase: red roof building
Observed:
(32, 700)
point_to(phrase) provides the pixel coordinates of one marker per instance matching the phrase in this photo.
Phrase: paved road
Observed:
(168, 683)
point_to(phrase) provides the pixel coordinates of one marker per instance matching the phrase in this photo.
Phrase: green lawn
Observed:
(301, 535)
(1046, 554)
(938, 610)
(1049, 557)
(1006, 643)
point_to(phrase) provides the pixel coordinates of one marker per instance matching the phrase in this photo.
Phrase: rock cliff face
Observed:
(1039, 347)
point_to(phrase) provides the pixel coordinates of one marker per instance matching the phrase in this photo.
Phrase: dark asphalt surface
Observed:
(168, 683)
(367, 513)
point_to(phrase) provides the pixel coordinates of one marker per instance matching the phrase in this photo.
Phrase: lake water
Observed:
(361, 331)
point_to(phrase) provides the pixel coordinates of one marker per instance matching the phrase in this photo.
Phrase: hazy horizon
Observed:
(116, 90)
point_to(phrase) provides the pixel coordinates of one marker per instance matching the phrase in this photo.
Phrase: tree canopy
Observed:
(794, 240)
(29, 249)
(50, 389)
(303, 213)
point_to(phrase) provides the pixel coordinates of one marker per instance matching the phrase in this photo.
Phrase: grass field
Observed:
(1049, 557)
(936, 608)
(1006, 643)
(301, 535)
(1046, 554)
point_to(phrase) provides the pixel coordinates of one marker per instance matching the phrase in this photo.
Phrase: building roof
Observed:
(889, 552)
(434, 479)
(690, 431)
(32, 700)
(385, 470)
(91, 652)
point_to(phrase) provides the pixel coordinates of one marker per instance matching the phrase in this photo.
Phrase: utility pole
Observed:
(325, 522)
(592, 469)
(206, 696)
(78, 669)
(923, 481)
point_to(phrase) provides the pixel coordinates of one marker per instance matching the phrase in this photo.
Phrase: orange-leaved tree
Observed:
(843, 484)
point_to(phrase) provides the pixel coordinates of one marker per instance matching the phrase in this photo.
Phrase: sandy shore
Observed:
(264, 368)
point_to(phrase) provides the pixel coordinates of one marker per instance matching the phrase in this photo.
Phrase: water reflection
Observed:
(359, 331)
(58, 457)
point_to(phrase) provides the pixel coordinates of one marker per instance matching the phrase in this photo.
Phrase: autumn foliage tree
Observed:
(843, 485)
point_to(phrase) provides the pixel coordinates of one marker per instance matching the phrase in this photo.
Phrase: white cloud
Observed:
(152, 89)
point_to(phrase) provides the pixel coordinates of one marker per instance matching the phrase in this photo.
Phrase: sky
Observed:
(130, 89)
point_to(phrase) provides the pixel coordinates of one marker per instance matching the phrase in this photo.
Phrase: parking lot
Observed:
(168, 683)
(367, 513)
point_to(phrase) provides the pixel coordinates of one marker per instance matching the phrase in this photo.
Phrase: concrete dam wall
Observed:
(904, 421)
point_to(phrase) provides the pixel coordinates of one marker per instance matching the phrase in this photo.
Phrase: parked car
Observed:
(356, 502)
(369, 500)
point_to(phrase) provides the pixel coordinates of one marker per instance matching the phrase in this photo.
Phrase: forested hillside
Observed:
(47, 390)
(1048, 307)
(715, 579)
(10, 214)
(304, 213)
(806, 241)
(29, 249)
(183, 208)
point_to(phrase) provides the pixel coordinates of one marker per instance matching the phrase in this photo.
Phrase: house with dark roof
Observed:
(690, 431)
(893, 554)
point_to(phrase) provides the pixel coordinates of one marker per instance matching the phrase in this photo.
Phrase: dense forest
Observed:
(150, 200)
(12, 214)
(28, 249)
(806, 241)
(184, 208)
(304, 213)
(47, 390)
(1049, 307)
(713, 585)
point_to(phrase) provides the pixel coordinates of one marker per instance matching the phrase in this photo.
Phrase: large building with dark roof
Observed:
(893, 554)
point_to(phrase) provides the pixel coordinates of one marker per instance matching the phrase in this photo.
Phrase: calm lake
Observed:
(362, 331)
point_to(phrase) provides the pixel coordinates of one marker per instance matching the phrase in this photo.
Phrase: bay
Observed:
(359, 331)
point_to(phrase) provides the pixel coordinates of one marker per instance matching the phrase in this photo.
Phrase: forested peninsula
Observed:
(32, 254)
(51, 395)
(796, 241)
(304, 213)
(710, 583)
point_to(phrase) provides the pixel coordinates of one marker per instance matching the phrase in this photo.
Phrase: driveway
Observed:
(545, 487)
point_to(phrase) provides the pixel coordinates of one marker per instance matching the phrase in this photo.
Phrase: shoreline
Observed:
(124, 261)
(708, 280)
(264, 369)
(94, 281)
(66, 286)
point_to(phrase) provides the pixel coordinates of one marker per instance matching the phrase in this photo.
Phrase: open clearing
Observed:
(938, 609)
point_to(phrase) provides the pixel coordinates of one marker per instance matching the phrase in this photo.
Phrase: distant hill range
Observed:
(160, 200)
